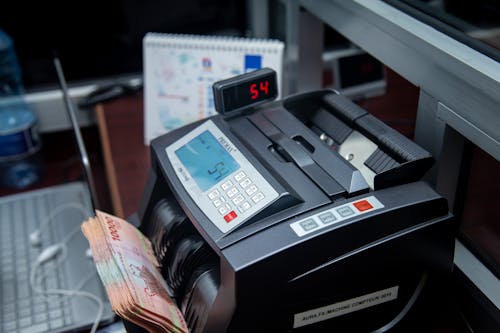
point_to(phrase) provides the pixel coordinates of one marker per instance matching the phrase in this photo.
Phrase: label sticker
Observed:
(341, 308)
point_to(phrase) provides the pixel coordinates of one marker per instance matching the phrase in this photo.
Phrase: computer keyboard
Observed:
(23, 310)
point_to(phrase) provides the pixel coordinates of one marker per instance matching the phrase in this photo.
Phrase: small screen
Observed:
(206, 160)
(250, 92)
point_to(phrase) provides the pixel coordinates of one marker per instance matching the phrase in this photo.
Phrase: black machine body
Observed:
(307, 214)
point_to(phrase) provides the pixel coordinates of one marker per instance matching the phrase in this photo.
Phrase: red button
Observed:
(362, 205)
(230, 216)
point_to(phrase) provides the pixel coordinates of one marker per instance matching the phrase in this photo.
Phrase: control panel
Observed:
(218, 177)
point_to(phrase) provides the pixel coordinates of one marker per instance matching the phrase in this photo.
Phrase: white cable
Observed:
(407, 307)
(49, 254)
(35, 235)
(59, 250)
(71, 293)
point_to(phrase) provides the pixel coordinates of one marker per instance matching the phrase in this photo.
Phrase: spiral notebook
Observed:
(179, 71)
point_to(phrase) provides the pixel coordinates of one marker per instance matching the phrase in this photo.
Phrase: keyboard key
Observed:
(362, 205)
(9, 308)
(226, 185)
(40, 308)
(8, 317)
(24, 312)
(55, 314)
(8, 262)
(239, 198)
(224, 209)
(65, 306)
(23, 292)
(232, 192)
(21, 263)
(230, 216)
(35, 328)
(245, 183)
(10, 326)
(54, 305)
(251, 190)
(327, 217)
(40, 300)
(218, 202)
(8, 294)
(52, 283)
(25, 322)
(7, 273)
(258, 197)
(56, 323)
(345, 211)
(6, 251)
(244, 206)
(41, 317)
(214, 194)
(239, 176)
(309, 224)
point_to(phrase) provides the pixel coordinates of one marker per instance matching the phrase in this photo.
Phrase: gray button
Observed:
(345, 211)
(309, 224)
(327, 217)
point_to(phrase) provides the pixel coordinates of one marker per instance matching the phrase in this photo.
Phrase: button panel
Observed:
(335, 215)
(236, 194)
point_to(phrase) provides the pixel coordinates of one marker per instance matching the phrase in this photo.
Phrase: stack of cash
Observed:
(129, 271)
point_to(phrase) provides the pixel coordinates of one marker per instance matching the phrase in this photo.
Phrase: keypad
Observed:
(235, 195)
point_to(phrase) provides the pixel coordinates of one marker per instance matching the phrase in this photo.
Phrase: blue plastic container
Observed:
(19, 140)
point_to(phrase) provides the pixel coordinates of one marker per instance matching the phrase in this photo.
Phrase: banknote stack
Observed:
(129, 271)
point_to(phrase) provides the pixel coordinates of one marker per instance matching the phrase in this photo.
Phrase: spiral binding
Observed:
(214, 43)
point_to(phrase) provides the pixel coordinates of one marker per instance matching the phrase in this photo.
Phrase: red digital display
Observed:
(245, 90)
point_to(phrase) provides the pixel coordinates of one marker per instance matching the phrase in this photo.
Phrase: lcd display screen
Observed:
(206, 160)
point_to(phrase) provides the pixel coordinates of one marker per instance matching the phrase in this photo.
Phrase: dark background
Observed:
(95, 39)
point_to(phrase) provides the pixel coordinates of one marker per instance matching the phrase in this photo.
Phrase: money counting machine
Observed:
(298, 215)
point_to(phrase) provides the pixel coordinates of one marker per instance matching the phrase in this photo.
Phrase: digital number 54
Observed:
(255, 89)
